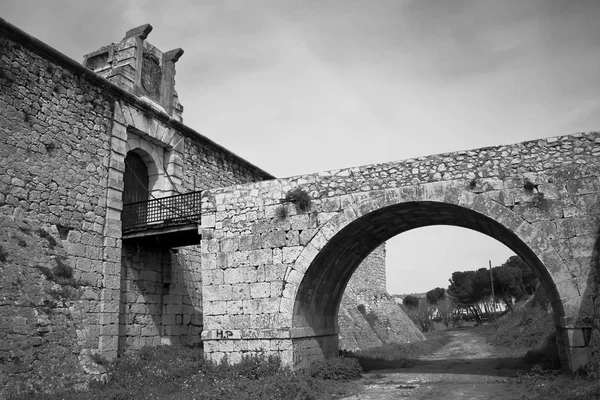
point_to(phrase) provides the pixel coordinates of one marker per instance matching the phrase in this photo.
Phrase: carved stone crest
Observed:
(151, 74)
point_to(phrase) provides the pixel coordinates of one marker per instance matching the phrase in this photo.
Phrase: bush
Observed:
(45, 235)
(299, 198)
(253, 366)
(61, 273)
(336, 369)
(3, 254)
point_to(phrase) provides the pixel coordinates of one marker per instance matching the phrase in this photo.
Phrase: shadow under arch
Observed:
(320, 292)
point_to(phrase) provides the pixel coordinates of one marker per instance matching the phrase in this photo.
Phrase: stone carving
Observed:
(151, 74)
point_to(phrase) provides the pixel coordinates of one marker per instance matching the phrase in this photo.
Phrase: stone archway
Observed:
(328, 261)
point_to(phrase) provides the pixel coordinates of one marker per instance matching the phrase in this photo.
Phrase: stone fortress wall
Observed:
(64, 134)
(368, 316)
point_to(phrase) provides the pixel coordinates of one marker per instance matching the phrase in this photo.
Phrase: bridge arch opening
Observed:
(320, 292)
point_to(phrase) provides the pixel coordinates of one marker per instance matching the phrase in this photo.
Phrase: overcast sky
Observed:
(303, 86)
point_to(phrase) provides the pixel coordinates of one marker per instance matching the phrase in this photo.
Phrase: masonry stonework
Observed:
(540, 198)
(367, 316)
(64, 135)
(76, 288)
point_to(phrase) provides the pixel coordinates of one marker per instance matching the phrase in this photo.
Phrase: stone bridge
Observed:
(273, 273)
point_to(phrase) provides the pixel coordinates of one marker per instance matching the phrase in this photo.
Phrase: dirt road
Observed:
(466, 368)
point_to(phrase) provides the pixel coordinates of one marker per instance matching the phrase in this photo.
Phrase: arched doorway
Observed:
(135, 179)
(135, 189)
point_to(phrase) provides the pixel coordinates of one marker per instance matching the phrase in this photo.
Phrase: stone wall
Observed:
(54, 140)
(43, 328)
(211, 167)
(368, 317)
(64, 134)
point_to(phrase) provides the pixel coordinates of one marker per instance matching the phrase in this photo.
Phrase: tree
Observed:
(507, 284)
(446, 311)
(411, 302)
(461, 291)
(514, 280)
(435, 295)
(529, 281)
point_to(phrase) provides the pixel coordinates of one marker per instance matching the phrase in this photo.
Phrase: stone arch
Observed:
(318, 278)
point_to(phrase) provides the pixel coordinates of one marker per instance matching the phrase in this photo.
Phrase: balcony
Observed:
(166, 222)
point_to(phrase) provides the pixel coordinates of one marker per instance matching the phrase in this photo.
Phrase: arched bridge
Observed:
(273, 272)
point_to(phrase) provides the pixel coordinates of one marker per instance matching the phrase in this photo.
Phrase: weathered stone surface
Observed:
(43, 324)
(64, 135)
(539, 198)
(368, 317)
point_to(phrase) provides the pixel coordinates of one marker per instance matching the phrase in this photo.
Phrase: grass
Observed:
(167, 372)
(531, 328)
(562, 386)
(398, 355)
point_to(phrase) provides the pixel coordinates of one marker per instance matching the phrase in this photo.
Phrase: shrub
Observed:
(61, 274)
(257, 366)
(281, 213)
(45, 235)
(529, 186)
(336, 369)
(371, 319)
(3, 254)
(299, 198)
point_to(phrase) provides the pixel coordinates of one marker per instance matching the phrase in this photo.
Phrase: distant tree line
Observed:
(472, 290)
(470, 293)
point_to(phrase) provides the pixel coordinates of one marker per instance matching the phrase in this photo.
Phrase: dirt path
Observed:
(466, 368)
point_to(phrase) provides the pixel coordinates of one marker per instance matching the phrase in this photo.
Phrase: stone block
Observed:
(209, 260)
(274, 239)
(260, 290)
(252, 306)
(578, 357)
(235, 307)
(241, 291)
(290, 254)
(211, 293)
(234, 275)
(229, 245)
(261, 257)
(300, 222)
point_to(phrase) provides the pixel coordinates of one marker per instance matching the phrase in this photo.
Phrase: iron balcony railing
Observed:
(176, 210)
